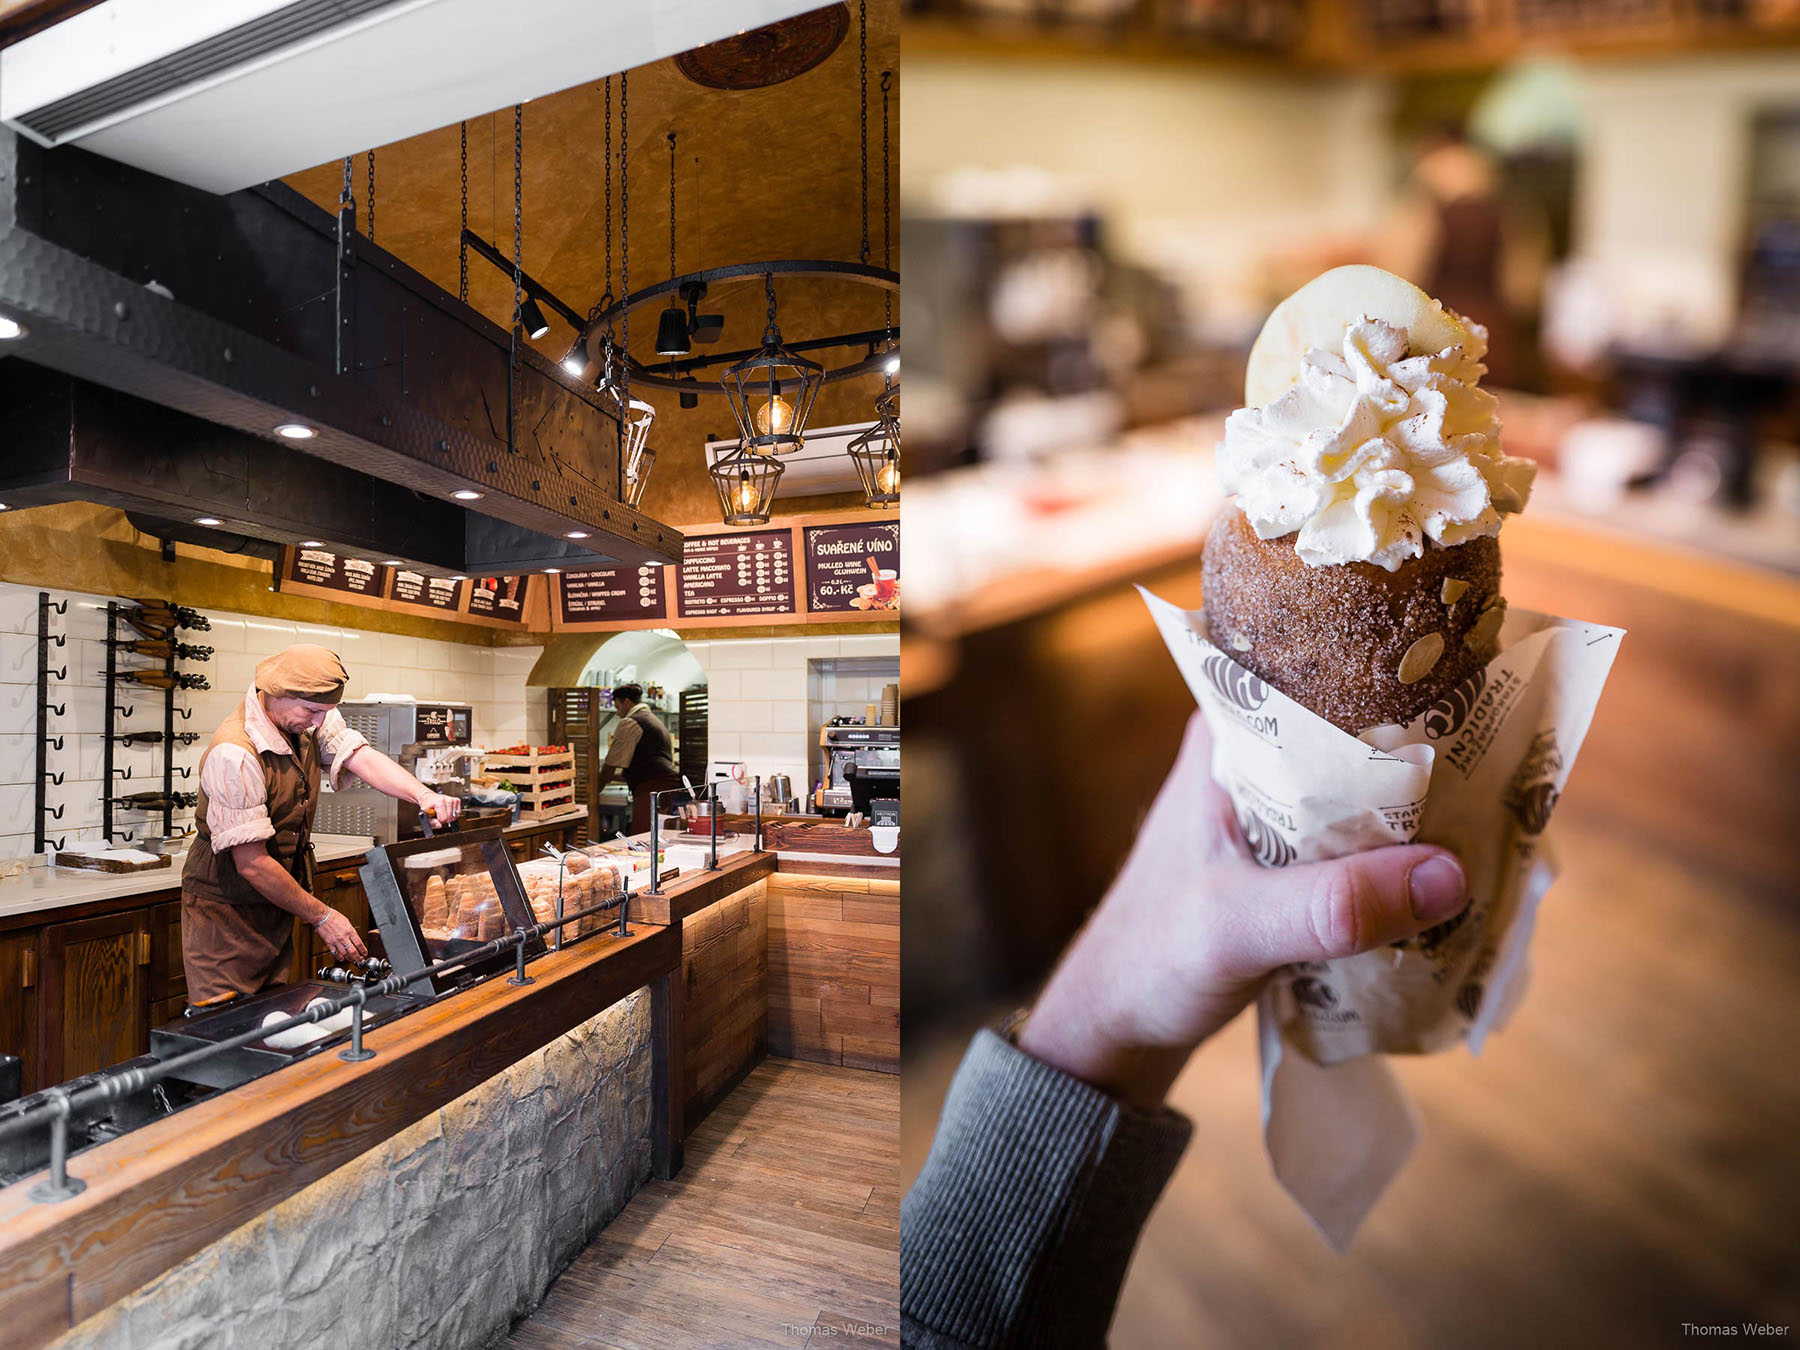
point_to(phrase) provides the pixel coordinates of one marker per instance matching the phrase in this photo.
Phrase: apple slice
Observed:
(1317, 314)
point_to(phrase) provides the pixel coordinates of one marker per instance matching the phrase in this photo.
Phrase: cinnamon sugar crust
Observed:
(1334, 638)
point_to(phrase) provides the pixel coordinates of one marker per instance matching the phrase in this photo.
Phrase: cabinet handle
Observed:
(346, 878)
(28, 968)
(143, 949)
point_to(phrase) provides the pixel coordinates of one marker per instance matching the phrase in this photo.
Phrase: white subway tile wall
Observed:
(764, 700)
(492, 679)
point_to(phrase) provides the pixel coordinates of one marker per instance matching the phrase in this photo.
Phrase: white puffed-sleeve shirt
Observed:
(237, 793)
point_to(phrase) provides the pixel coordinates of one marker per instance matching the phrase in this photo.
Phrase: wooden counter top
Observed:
(23, 899)
(156, 1196)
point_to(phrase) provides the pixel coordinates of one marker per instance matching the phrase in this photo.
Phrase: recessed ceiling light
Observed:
(466, 495)
(11, 329)
(553, 570)
(312, 543)
(390, 562)
(207, 520)
(576, 534)
(459, 578)
(296, 431)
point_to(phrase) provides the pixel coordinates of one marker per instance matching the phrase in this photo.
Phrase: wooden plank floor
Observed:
(785, 1219)
(1624, 1157)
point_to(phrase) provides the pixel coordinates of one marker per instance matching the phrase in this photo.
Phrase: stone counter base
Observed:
(437, 1239)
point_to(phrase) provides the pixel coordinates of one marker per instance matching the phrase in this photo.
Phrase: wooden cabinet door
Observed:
(168, 976)
(96, 994)
(19, 988)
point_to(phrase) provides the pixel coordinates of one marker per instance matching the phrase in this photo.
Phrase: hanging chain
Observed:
(862, 99)
(671, 206)
(347, 197)
(371, 196)
(462, 239)
(887, 209)
(609, 183)
(624, 247)
(769, 291)
(518, 208)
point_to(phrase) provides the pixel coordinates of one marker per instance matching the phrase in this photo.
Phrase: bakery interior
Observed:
(514, 364)
(1103, 201)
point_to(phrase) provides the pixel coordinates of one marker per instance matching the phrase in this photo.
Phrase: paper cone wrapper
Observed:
(1479, 772)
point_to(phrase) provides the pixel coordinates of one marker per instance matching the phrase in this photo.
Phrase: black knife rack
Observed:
(117, 712)
(45, 641)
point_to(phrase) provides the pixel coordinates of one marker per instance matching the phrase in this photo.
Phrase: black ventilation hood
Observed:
(235, 315)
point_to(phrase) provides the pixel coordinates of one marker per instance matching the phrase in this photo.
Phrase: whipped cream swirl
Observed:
(1374, 451)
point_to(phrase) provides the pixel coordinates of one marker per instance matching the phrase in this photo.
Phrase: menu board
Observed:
(838, 575)
(615, 593)
(499, 597)
(333, 571)
(414, 588)
(735, 574)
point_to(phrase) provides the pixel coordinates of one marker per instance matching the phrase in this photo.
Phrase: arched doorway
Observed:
(675, 689)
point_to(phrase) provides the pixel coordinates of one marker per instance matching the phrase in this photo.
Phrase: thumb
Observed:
(1326, 910)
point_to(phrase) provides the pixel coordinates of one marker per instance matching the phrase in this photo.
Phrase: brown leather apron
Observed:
(233, 941)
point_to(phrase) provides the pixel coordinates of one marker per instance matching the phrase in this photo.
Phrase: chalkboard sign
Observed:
(334, 572)
(838, 575)
(615, 593)
(499, 597)
(737, 574)
(414, 588)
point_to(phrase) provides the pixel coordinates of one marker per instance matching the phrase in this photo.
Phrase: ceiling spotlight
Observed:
(466, 495)
(207, 520)
(576, 534)
(11, 329)
(672, 332)
(892, 364)
(296, 431)
(576, 362)
(532, 319)
(4, 507)
(312, 543)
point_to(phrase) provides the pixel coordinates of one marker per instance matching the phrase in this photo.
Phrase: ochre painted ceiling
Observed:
(778, 176)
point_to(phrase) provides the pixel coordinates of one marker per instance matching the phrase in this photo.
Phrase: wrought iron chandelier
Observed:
(876, 452)
(772, 391)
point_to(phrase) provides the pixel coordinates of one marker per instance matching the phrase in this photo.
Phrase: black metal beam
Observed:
(68, 440)
(225, 308)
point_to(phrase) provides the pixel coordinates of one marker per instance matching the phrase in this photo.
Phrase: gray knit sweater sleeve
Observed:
(1021, 1225)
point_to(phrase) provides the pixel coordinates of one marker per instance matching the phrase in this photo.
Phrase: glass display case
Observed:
(580, 880)
(438, 898)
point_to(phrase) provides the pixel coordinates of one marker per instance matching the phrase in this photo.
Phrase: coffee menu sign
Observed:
(838, 572)
(334, 572)
(499, 598)
(737, 575)
(616, 593)
(414, 588)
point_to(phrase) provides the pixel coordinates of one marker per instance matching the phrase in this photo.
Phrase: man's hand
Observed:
(441, 808)
(1193, 926)
(341, 936)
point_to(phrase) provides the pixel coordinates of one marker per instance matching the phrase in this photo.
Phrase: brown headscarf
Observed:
(303, 671)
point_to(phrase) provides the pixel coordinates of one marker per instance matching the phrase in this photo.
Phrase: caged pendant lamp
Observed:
(876, 452)
(746, 485)
(772, 391)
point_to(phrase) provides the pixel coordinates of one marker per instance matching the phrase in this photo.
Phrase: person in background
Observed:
(642, 751)
(249, 870)
(1054, 1142)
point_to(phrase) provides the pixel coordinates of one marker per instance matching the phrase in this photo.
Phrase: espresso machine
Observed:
(855, 751)
(431, 741)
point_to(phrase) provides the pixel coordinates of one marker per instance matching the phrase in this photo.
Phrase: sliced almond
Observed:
(1421, 657)
(1453, 590)
(1239, 643)
(1486, 628)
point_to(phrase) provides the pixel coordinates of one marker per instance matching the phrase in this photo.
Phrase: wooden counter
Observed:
(156, 1196)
